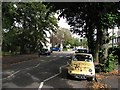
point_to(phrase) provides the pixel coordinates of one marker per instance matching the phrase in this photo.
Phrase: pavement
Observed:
(112, 80)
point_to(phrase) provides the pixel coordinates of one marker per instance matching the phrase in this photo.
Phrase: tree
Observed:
(61, 35)
(76, 42)
(84, 43)
(93, 18)
(25, 25)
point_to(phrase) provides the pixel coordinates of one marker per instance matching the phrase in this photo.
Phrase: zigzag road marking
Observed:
(42, 83)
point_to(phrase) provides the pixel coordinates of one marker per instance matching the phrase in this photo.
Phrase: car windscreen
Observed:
(82, 58)
(82, 50)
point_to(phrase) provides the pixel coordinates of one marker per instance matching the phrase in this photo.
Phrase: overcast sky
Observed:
(62, 22)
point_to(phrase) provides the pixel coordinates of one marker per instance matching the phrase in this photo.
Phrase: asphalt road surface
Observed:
(44, 72)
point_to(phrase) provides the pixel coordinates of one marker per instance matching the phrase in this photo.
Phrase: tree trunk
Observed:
(98, 44)
(104, 46)
(90, 36)
(96, 55)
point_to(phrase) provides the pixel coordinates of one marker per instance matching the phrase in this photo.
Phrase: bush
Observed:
(115, 51)
(99, 68)
(110, 63)
(64, 49)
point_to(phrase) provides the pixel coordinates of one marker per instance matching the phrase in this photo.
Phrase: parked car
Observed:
(81, 66)
(44, 51)
(82, 51)
(56, 49)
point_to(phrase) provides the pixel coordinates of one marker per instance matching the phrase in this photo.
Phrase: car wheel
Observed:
(93, 79)
(68, 76)
(90, 78)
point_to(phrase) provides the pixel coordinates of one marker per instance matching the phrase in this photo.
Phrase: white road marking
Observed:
(67, 56)
(63, 66)
(19, 71)
(29, 69)
(60, 70)
(11, 75)
(42, 60)
(42, 83)
(56, 56)
(36, 65)
(51, 77)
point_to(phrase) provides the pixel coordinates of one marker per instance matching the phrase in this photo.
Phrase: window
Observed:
(82, 58)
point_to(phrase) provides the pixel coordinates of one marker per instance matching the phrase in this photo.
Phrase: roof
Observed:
(83, 54)
(83, 48)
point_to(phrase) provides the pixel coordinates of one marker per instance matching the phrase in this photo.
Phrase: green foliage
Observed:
(116, 52)
(64, 49)
(110, 63)
(91, 17)
(61, 35)
(25, 26)
(74, 42)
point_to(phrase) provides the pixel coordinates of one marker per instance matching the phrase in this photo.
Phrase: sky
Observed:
(62, 22)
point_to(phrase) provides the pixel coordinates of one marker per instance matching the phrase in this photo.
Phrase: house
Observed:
(116, 40)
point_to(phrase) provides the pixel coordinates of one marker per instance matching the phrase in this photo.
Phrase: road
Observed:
(44, 72)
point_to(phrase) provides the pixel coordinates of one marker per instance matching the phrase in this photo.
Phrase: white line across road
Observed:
(19, 71)
(48, 57)
(58, 56)
(40, 56)
(10, 75)
(42, 83)
(24, 69)
(68, 56)
(54, 56)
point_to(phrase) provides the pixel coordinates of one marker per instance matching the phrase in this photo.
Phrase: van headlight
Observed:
(90, 70)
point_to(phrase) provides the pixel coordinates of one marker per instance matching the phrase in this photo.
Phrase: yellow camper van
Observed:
(81, 66)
